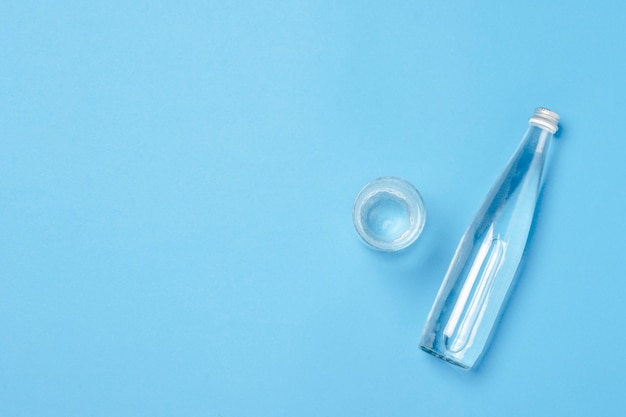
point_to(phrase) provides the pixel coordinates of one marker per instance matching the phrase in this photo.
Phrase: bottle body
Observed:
(486, 261)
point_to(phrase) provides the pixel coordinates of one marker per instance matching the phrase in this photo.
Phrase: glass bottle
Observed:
(486, 261)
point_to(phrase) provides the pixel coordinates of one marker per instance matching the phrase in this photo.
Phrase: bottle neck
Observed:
(538, 138)
(536, 145)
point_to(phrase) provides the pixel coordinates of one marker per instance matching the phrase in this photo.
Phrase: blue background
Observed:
(176, 186)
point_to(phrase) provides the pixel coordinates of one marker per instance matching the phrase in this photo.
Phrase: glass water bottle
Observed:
(484, 266)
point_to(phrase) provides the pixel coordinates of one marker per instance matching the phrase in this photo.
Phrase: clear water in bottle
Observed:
(486, 261)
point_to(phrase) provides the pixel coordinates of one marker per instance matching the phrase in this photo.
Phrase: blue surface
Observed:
(176, 184)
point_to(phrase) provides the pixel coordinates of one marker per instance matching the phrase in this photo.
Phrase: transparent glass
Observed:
(486, 261)
(389, 214)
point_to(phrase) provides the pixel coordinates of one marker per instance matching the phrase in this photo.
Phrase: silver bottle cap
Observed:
(545, 119)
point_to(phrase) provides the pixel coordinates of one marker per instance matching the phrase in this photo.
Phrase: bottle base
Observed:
(445, 358)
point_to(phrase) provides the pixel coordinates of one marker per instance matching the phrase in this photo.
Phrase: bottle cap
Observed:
(389, 214)
(545, 119)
